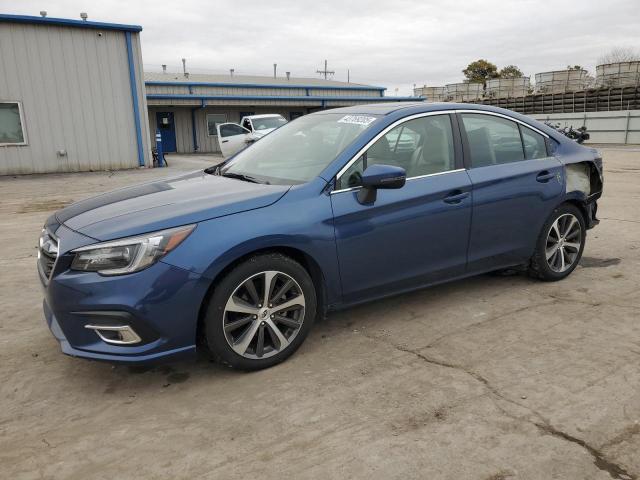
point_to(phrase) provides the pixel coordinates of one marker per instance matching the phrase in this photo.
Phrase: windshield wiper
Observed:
(239, 176)
(215, 169)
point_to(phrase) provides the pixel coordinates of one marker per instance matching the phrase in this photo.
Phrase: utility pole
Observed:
(325, 72)
(275, 67)
(348, 76)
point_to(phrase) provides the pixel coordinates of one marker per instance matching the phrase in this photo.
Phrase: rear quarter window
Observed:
(534, 144)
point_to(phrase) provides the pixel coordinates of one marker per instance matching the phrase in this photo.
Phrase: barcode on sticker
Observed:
(357, 119)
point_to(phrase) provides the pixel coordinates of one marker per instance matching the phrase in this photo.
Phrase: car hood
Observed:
(167, 203)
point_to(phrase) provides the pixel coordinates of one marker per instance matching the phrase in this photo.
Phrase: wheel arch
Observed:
(308, 262)
(586, 207)
(580, 203)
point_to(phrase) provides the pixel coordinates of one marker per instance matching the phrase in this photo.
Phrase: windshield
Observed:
(298, 151)
(267, 123)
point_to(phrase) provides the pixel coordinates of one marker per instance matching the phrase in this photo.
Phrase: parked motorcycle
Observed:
(578, 135)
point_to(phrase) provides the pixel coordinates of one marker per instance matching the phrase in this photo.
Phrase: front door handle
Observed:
(545, 176)
(455, 197)
(225, 141)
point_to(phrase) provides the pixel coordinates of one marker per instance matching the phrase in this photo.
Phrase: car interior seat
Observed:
(433, 155)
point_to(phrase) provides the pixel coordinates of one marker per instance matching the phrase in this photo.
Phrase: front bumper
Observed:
(160, 303)
(121, 357)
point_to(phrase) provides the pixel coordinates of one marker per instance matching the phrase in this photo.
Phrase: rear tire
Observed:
(560, 244)
(260, 312)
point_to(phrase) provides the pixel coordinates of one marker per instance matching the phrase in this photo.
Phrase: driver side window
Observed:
(421, 146)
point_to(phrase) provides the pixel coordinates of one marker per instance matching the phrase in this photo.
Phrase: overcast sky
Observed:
(392, 43)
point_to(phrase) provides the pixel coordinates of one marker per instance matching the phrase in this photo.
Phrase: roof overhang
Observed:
(65, 22)
(203, 100)
(153, 83)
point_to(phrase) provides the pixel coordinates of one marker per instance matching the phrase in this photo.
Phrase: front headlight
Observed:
(128, 255)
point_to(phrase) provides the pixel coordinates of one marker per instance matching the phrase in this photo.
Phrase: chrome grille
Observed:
(47, 253)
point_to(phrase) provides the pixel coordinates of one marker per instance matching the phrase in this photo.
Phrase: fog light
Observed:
(116, 334)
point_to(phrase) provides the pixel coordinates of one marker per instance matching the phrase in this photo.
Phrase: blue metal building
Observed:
(72, 96)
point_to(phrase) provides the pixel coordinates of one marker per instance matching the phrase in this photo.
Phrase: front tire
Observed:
(560, 244)
(260, 312)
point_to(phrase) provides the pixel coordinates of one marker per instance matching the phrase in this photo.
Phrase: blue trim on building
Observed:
(298, 98)
(152, 83)
(134, 96)
(65, 22)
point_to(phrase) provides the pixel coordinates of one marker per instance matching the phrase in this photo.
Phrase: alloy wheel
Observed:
(263, 314)
(564, 240)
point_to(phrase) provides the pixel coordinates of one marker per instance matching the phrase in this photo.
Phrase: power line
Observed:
(325, 72)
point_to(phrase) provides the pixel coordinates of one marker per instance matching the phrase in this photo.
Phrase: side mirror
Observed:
(380, 176)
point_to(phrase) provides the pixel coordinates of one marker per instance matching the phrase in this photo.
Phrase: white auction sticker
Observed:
(357, 119)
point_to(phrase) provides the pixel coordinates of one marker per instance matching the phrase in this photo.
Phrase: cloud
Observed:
(393, 44)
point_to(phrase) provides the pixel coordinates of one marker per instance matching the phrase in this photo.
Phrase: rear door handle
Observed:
(545, 176)
(225, 141)
(455, 197)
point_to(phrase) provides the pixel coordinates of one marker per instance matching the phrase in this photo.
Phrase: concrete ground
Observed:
(487, 378)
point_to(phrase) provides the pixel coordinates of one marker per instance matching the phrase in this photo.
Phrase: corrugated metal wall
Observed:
(75, 91)
(622, 127)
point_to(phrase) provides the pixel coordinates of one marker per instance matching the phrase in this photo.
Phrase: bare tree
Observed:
(620, 54)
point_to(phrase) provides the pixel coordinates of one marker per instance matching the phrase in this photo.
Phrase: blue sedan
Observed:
(333, 209)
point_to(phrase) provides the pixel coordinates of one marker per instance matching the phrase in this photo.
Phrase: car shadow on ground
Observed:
(416, 305)
(178, 373)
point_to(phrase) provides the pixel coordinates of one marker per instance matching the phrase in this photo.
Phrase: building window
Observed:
(213, 120)
(11, 124)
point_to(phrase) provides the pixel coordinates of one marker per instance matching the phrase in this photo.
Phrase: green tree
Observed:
(575, 67)
(480, 71)
(510, 71)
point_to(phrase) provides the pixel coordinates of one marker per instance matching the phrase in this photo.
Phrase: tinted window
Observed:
(231, 129)
(492, 140)
(422, 146)
(534, 144)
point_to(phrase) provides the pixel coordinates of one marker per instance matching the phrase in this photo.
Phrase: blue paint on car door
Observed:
(510, 205)
(409, 237)
(167, 128)
(516, 185)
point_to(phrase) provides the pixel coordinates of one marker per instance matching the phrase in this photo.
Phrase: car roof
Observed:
(411, 108)
(415, 107)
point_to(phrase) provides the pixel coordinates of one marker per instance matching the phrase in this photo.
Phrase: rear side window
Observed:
(534, 144)
(492, 140)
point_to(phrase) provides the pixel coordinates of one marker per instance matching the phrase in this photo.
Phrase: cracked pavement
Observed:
(493, 377)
